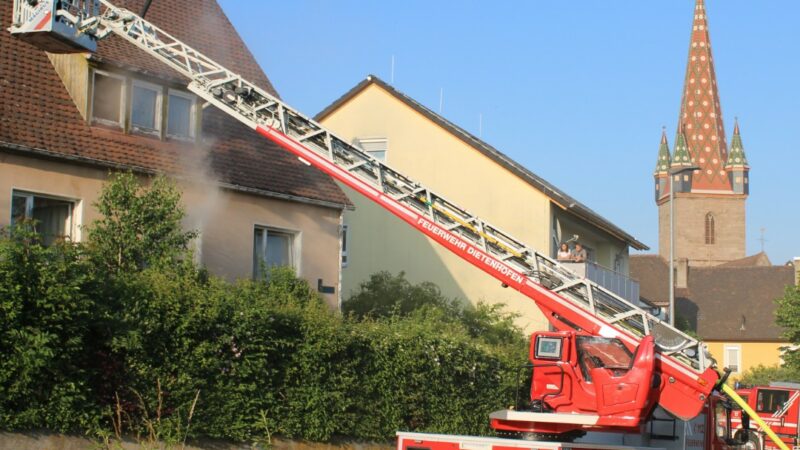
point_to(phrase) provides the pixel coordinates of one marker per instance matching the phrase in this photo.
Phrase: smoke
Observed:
(202, 187)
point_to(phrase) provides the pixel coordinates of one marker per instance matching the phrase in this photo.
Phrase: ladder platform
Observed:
(543, 417)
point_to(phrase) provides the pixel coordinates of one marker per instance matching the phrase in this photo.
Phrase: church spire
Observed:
(736, 157)
(664, 159)
(701, 114)
(736, 166)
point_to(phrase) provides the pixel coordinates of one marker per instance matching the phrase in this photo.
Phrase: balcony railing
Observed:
(615, 282)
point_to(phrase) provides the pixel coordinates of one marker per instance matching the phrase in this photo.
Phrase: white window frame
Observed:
(74, 209)
(294, 250)
(375, 140)
(159, 90)
(726, 361)
(345, 244)
(192, 114)
(122, 99)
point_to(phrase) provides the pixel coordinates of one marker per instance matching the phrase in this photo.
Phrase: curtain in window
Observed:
(52, 219)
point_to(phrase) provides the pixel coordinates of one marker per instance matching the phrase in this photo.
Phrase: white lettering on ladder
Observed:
(471, 251)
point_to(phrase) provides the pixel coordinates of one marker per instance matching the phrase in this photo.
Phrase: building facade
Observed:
(67, 121)
(447, 159)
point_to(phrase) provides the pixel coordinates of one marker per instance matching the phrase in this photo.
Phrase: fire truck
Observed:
(778, 404)
(603, 370)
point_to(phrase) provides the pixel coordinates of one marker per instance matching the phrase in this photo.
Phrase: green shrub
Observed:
(125, 335)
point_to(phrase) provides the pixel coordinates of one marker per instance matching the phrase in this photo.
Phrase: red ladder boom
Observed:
(568, 301)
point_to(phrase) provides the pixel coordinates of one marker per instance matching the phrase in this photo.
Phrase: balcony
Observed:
(615, 282)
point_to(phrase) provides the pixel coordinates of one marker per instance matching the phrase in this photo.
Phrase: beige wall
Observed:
(444, 163)
(225, 218)
(752, 354)
(690, 215)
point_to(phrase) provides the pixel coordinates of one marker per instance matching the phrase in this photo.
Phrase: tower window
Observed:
(709, 228)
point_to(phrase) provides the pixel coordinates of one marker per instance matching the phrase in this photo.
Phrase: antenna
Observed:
(441, 99)
(391, 77)
(762, 239)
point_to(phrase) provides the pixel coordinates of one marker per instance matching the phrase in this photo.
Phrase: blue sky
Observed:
(575, 91)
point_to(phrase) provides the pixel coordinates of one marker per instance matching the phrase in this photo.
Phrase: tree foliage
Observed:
(140, 225)
(788, 317)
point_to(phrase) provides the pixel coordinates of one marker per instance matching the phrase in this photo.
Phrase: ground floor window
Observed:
(733, 358)
(52, 217)
(272, 247)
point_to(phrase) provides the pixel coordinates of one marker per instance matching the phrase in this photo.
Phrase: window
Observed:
(271, 248)
(375, 147)
(180, 115)
(771, 400)
(733, 357)
(52, 217)
(709, 228)
(345, 232)
(146, 107)
(108, 99)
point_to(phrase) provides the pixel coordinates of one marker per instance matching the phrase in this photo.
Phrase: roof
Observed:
(759, 259)
(701, 113)
(722, 303)
(38, 116)
(565, 201)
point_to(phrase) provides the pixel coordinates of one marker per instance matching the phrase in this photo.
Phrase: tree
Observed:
(788, 317)
(140, 226)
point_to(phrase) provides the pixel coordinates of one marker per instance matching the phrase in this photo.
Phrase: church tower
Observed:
(710, 199)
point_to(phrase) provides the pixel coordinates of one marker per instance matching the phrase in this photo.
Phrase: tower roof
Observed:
(664, 160)
(736, 157)
(701, 114)
(682, 156)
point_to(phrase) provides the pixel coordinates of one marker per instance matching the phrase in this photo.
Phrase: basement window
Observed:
(181, 110)
(52, 217)
(146, 107)
(108, 99)
(272, 248)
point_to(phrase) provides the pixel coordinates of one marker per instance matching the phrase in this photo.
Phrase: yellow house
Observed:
(447, 159)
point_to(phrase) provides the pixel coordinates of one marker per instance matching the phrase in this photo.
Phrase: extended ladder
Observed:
(568, 301)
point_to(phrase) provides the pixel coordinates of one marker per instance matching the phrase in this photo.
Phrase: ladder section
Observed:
(504, 253)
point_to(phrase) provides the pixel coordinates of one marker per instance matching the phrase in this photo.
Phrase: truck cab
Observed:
(778, 405)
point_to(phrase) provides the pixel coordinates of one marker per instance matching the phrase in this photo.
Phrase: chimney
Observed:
(682, 273)
(797, 270)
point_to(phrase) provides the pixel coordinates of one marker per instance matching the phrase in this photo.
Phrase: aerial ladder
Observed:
(664, 365)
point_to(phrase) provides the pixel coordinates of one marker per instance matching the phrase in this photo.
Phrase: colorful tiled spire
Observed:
(701, 113)
(682, 156)
(664, 159)
(736, 157)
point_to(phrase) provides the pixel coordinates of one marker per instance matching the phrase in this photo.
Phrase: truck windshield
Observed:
(602, 352)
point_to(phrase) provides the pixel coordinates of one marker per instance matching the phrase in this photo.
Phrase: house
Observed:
(67, 120)
(724, 296)
(427, 147)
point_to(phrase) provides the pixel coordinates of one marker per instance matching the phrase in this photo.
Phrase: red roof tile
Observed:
(37, 114)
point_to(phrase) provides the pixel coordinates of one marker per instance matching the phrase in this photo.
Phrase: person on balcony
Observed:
(579, 253)
(564, 254)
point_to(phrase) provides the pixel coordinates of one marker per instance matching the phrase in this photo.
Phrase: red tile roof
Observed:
(37, 115)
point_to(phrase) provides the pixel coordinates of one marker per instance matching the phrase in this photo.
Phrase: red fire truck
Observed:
(604, 369)
(779, 406)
